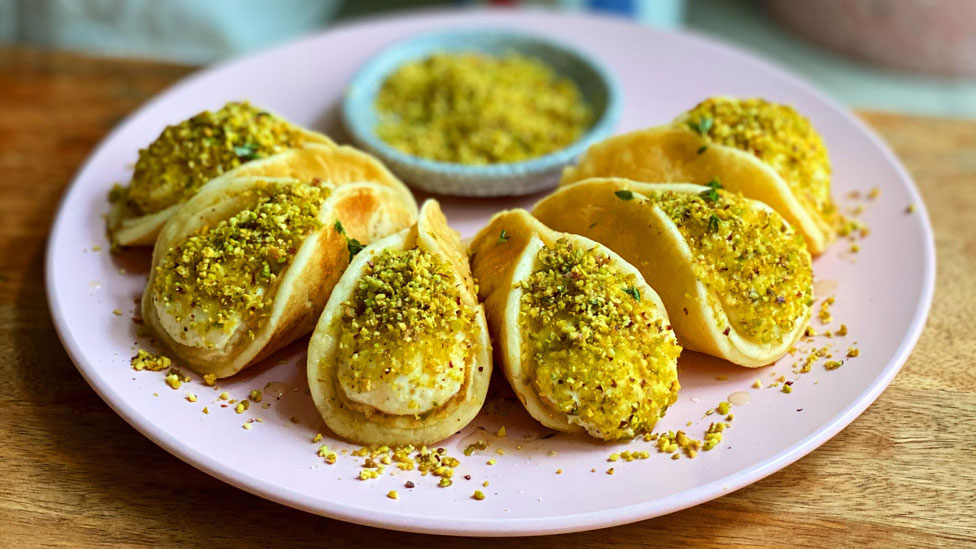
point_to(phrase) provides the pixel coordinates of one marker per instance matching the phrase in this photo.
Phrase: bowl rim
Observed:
(367, 138)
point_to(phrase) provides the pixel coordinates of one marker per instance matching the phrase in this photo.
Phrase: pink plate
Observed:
(883, 295)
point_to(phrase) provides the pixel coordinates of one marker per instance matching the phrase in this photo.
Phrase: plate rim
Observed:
(558, 524)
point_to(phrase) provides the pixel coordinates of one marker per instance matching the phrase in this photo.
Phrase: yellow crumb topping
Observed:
(144, 360)
(753, 261)
(779, 136)
(405, 334)
(227, 273)
(595, 350)
(187, 155)
(472, 108)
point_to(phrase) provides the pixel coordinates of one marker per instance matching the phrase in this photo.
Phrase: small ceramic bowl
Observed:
(360, 117)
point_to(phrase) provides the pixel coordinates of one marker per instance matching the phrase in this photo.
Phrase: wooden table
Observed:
(74, 473)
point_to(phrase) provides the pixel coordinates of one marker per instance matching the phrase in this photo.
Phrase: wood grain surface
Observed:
(74, 473)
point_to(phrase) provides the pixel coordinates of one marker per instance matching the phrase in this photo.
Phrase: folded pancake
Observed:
(401, 354)
(584, 341)
(237, 140)
(735, 277)
(766, 151)
(247, 264)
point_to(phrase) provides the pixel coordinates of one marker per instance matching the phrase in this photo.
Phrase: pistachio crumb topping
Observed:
(475, 446)
(228, 273)
(824, 315)
(595, 351)
(478, 495)
(144, 360)
(756, 264)
(405, 337)
(187, 155)
(776, 134)
(472, 108)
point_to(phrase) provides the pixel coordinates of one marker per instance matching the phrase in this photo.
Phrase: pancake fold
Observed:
(584, 341)
(247, 264)
(764, 150)
(735, 277)
(401, 353)
(239, 140)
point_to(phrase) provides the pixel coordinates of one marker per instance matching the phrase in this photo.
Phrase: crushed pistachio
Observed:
(478, 445)
(824, 314)
(255, 395)
(779, 136)
(756, 264)
(317, 437)
(144, 360)
(116, 312)
(757, 384)
(576, 310)
(210, 379)
(787, 388)
(187, 155)
(501, 432)
(242, 406)
(723, 407)
(392, 494)
(853, 352)
(833, 364)
(403, 322)
(191, 397)
(174, 381)
(225, 274)
(472, 108)
(714, 435)
(478, 495)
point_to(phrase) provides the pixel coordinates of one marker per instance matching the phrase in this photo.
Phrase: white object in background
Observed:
(931, 36)
(178, 30)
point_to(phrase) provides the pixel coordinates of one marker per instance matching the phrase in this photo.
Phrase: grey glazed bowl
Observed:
(597, 85)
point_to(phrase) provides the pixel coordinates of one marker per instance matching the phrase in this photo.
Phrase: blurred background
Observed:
(915, 56)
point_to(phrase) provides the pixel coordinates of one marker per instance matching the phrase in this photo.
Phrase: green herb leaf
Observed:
(354, 247)
(338, 227)
(633, 292)
(624, 194)
(701, 127)
(593, 224)
(702, 149)
(713, 221)
(245, 152)
(503, 236)
(711, 195)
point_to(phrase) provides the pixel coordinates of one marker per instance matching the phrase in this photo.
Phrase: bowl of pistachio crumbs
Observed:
(480, 112)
